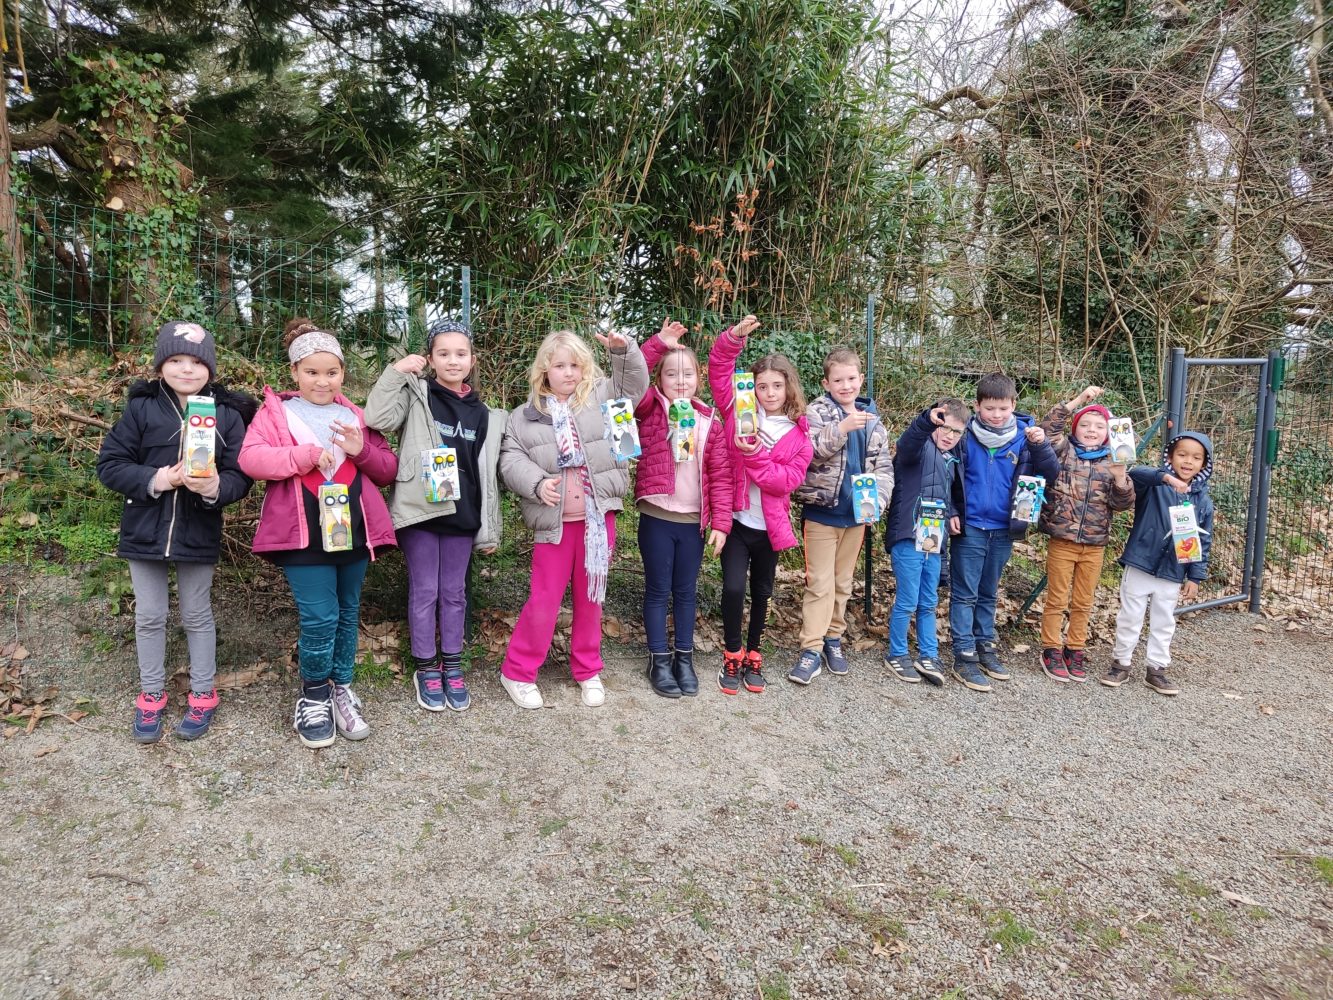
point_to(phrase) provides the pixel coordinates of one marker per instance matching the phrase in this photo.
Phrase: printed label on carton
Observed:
(1029, 492)
(1185, 533)
(930, 517)
(335, 517)
(747, 405)
(199, 437)
(1122, 440)
(682, 418)
(622, 430)
(865, 498)
(439, 474)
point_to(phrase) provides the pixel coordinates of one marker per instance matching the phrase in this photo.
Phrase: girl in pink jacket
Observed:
(683, 491)
(766, 467)
(323, 518)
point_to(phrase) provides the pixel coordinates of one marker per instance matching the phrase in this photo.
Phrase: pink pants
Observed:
(555, 566)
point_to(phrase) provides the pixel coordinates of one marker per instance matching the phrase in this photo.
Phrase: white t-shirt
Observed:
(772, 428)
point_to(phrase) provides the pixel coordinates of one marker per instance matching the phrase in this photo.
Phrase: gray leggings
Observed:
(194, 585)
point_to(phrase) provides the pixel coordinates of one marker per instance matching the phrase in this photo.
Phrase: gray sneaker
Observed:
(347, 713)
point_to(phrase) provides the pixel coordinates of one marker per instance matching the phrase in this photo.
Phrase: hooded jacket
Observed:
(1083, 499)
(989, 481)
(1150, 547)
(828, 462)
(178, 525)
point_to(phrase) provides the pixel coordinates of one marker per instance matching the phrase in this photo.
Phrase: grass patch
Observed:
(774, 987)
(155, 960)
(849, 857)
(552, 826)
(1187, 885)
(1008, 933)
(1323, 869)
(604, 921)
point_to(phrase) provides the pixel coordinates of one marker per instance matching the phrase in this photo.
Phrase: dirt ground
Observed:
(859, 838)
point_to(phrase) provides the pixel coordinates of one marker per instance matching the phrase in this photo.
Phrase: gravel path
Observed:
(860, 837)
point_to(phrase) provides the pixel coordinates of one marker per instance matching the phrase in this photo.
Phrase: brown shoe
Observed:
(1117, 675)
(1157, 680)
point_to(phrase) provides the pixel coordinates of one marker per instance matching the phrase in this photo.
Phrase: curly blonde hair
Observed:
(567, 340)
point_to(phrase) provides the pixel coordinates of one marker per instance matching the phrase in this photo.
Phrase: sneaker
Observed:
(347, 713)
(313, 720)
(148, 721)
(930, 671)
(198, 716)
(836, 662)
(807, 667)
(1117, 675)
(753, 676)
(901, 669)
(729, 677)
(1157, 680)
(523, 694)
(989, 654)
(456, 695)
(1076, 664)
(594, 693)
(1053, 665)
(967, 671)
(430, 689)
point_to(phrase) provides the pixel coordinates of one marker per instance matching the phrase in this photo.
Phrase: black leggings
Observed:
(747, 550)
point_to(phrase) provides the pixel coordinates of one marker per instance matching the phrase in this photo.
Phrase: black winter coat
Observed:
(178, 525)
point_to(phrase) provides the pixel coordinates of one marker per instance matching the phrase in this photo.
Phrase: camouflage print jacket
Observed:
(1080, 505)
(829, 464)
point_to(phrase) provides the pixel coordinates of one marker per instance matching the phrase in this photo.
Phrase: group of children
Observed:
(720, 478)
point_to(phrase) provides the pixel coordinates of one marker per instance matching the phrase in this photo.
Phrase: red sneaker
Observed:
(1053, 665)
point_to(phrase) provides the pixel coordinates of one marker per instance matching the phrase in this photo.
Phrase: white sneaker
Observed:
(525, 695)
(347, 713)
(594, 694)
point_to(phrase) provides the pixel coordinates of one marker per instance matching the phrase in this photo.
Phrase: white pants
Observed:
(1138, 590)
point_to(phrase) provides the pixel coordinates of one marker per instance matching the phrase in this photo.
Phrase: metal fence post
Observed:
(1268, 441)
(467, 296)
(1175, 393)
(870, 391)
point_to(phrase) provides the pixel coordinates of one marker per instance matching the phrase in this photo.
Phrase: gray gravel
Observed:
(860, 837)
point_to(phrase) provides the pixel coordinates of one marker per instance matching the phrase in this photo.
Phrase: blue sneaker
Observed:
(967, 671)
(930, 671)
(989, 654)
(430, 689)
(198, 717)
(148, 721)
(455, 690)
(807, 667)
(901, 668)
(313, 718)
(837, 663)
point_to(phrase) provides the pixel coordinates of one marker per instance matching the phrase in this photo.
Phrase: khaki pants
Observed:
(1072, 572)
(830, 568)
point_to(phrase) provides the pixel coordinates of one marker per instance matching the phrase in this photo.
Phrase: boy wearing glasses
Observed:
(927, 496)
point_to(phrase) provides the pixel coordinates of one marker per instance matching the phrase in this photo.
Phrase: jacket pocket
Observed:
(409, 467)
(139, 521)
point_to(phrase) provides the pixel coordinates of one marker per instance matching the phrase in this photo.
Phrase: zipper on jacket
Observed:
(171, 527)
(1083, 510)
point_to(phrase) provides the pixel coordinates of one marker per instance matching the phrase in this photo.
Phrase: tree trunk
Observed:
(12, 257)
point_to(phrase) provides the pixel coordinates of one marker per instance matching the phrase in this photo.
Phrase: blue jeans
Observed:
(328, 601)
(672, 553)
(977, 560)
(916, 577)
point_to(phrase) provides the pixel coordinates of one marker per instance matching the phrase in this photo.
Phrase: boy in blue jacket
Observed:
(1000, 445)
(1154, 574)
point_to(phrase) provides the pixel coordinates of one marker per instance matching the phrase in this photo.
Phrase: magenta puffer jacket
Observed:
(271, 453)
(656, 474)
(775, 472)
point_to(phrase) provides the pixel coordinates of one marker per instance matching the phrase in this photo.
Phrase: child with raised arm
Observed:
(683, 492)
(1077, 514)
(557, 459)
(1163, 563)
(427, 401)
(770, 453)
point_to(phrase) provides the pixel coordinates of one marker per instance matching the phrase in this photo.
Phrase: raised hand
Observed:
(613, 341)
(854, 421)
(1035, 435)
(413, 364)
(671, 332)
(745, 327)
(349, 437)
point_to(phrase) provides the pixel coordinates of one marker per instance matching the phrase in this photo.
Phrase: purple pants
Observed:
(555, 566)
(436, 588)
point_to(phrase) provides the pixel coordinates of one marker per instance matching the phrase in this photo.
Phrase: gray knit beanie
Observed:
(178, 337)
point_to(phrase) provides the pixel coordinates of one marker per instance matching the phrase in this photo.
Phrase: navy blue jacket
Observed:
(177, 525)
(989, 481)
(916, 461)
(1150, 547)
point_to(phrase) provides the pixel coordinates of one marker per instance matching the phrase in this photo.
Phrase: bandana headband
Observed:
(314, 342)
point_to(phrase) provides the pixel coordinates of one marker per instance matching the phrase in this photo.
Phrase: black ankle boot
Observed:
(682, 665)
(660, 676)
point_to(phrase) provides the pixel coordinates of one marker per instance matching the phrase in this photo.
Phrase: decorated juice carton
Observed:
(1029, 493)
(747, 405)
(865, 498)
(622, 430)
(682, 419)
(1122, 440)
(1185, 533)
(335, 517)
(199, 439)
(930, 517)
(439, 474)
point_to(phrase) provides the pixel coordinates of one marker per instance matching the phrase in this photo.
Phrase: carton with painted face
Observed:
(865, 498)
(335, 517)
(439, 474)
(1185, 533)
(746, 405)
(929, 527)
(1121, 440)
(1029, 493)
(622, 430)
(199, 437)
(682, 419)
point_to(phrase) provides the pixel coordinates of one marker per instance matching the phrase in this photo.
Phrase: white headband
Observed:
(314, 342)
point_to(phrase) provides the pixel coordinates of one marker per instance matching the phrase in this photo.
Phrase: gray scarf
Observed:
(991, 438)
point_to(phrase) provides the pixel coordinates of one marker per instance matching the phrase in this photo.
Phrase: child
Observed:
(1080, 504)
(926, 473)
(170, 517)
(1153, 574)
(556, 458)
(1000, 445)
(849, 440)
(766, 466)
(429, 411)
(299, 441)
(683, 490)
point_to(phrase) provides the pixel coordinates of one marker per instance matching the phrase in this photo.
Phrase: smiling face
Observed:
(770, 388)
(319, 377)
(843, 383)
(1091, 431)
(995, 412)
(563, 374)
(185, 375)
(678, 376)
(1188, 458)
(452, 359)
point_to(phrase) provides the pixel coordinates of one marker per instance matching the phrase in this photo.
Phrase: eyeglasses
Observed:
(952, 431)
